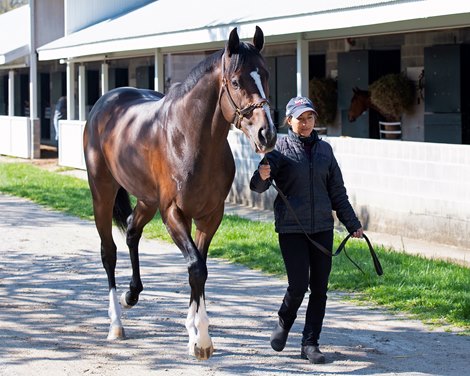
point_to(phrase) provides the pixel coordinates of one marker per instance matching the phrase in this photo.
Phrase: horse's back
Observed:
(120, 99)
(117, 105)
(115, 118)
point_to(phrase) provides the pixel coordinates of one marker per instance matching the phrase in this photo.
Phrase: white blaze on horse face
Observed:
(256, 77)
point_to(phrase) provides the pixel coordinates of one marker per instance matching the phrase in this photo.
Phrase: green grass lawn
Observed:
(435, 291)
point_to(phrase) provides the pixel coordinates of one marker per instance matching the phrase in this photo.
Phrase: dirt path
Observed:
(53, 314)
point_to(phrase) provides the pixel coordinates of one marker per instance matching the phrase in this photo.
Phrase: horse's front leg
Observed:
(198, 319)
(197, 322)
(116, 330)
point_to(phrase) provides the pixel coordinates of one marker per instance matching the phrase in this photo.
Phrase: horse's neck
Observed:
(202, 107)
(198, 118)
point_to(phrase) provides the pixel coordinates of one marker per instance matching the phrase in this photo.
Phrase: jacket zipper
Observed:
(312, 193)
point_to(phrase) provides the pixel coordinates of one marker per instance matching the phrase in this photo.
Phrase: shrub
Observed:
(324, 94)
(393, 94)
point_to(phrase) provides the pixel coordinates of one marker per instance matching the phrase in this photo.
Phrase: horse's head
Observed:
(245, 91)
(360, 102)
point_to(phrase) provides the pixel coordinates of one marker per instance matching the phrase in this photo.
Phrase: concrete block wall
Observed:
(418, 190)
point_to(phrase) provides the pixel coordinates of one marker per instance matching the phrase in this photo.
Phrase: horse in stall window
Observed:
(360, 103)
(171, 153)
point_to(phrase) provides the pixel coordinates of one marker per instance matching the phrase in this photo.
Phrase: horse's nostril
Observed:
(263, 135)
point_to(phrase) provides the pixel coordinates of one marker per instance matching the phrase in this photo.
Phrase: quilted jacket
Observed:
(314, 186)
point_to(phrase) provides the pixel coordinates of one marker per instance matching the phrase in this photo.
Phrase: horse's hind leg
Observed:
(103, 202)
(103, 190)
(140, 217)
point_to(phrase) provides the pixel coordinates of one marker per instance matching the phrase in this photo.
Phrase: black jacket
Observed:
(314, 186)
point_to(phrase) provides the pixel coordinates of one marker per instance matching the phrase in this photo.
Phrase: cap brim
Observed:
(299, 111)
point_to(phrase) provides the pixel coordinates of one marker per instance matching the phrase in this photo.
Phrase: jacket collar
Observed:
(301, 139)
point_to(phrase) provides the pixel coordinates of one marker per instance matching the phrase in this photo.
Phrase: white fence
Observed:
(71, 143)
(15, 137)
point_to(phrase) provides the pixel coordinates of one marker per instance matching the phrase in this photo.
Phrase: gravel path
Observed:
(53, 314)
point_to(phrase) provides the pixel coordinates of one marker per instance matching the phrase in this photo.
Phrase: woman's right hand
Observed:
(264, 171)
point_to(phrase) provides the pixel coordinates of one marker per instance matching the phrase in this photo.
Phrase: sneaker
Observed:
(313, 354)
(279, 338)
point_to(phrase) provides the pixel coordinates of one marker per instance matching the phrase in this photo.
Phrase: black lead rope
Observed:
(342, 246)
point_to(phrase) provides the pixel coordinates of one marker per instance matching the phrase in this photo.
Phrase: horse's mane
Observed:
(207, 65)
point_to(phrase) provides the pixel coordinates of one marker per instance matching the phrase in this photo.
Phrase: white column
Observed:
(104, 78)
(33, 85)
(70, 90)
(159, 79)
(11, 93)
(302, 66)
(81, 92)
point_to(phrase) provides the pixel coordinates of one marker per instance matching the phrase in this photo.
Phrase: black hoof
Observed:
(128, 301)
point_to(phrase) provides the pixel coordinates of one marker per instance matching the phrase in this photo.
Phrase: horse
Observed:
(360, 103)
(172, 154)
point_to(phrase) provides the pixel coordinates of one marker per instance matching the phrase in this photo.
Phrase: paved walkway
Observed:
(53, 299)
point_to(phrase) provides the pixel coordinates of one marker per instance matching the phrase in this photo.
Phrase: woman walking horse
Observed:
(171, 152)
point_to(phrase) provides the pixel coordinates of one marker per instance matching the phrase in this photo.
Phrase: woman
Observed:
(305, 170)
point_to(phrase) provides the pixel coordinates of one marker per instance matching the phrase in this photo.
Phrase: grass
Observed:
(433, 291)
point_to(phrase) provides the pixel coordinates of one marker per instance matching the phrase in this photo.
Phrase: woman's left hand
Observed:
(358, 233)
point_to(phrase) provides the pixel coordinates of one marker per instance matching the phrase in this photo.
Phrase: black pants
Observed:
(306, 267)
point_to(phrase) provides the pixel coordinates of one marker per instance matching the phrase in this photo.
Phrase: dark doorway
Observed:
(359, 69)
(316, 66)
(45, 115)
(93, 87)
(121, 77)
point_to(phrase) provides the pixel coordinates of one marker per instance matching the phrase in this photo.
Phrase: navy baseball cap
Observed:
(298, 105)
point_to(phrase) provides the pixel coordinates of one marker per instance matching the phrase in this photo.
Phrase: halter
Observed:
(240, 113)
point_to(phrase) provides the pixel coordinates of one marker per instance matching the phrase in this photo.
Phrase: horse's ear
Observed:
(233, 43)
(258, 39)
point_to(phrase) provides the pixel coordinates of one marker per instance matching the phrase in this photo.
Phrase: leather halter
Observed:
(240, 113)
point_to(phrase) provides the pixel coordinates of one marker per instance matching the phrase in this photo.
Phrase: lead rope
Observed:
(342, 246)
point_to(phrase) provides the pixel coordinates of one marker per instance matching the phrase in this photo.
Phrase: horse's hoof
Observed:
(203, 354)
(123, 300)
(116, 332)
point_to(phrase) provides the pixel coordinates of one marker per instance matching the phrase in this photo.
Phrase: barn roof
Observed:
(170, 24)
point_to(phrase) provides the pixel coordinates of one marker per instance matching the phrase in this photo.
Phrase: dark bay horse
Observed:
(171, 152)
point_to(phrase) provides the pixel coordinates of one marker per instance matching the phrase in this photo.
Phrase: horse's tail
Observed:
(122, 209)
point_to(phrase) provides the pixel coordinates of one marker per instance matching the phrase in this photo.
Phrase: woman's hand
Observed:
(264, 171)
(358, 233)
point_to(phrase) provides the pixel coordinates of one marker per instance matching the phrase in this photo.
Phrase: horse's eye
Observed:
(235, 83)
